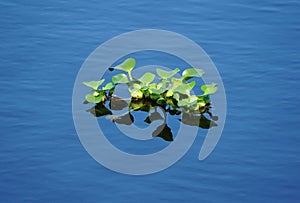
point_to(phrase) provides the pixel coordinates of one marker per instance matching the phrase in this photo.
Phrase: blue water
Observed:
(255, 46)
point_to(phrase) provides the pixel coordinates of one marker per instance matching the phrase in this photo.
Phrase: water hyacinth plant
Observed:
(171, 93)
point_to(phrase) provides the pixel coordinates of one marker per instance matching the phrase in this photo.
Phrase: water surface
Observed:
(255, 46)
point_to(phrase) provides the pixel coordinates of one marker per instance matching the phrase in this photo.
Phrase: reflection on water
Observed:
(124, 110)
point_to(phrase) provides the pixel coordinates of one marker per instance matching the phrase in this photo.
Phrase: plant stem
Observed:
(130, 76)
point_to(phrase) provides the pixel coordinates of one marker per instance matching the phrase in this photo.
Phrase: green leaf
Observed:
(161, 101)
(190, 101)
(201, 104)
(119, 78)
(147, 78)
(192, 73)
(204, 99)
(156, 91)
(134, 81)
(96, 97)
(176, 82)
(152, 85)
(136, 104)
(170, 101)
(127, 65)
(209, 89)
(108, 86)
(136, 86)
(136, 93)
(169, 93)
(92, 99)
(185, 88)
(154, 96)
(159, 88)
(176, 96)
(94, 84)
(166, 74)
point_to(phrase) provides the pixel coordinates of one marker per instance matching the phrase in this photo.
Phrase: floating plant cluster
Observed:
(171, 93)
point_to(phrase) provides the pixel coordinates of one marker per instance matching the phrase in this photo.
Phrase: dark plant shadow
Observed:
(163, 131)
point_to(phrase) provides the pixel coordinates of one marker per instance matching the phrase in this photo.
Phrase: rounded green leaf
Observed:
(169, 93)
(192, 73)
(156, 91)
(153, 85)
(154, 96)
(190, 101)
(183, 102)
(127, 65)
(185, 88)
(92, 99)
(166, 74)
(161, 101)
(136, 93)
(119, 78)
(204, 98)
(147, 78)
(94, 84)
(176, 96)
(108, 86)
(209, 89)
(176, 82)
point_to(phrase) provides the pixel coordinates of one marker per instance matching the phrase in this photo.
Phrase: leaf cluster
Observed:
(171, 91)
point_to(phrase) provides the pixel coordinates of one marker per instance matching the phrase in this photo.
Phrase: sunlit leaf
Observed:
(94, 99)
(136, 93)
(136, 86)
(166, 74)
(119, 78)
(108, 86)
(155, 91)
(152, 85)
(94, 84)
(170, 101)
(176, 96)
(185, 88)
(192, 73)
(209, 89)
(201, 104)
(176, 81)
(190, 101)
(127, 65)
(169, 93)
(160, 88)
(147, 78)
